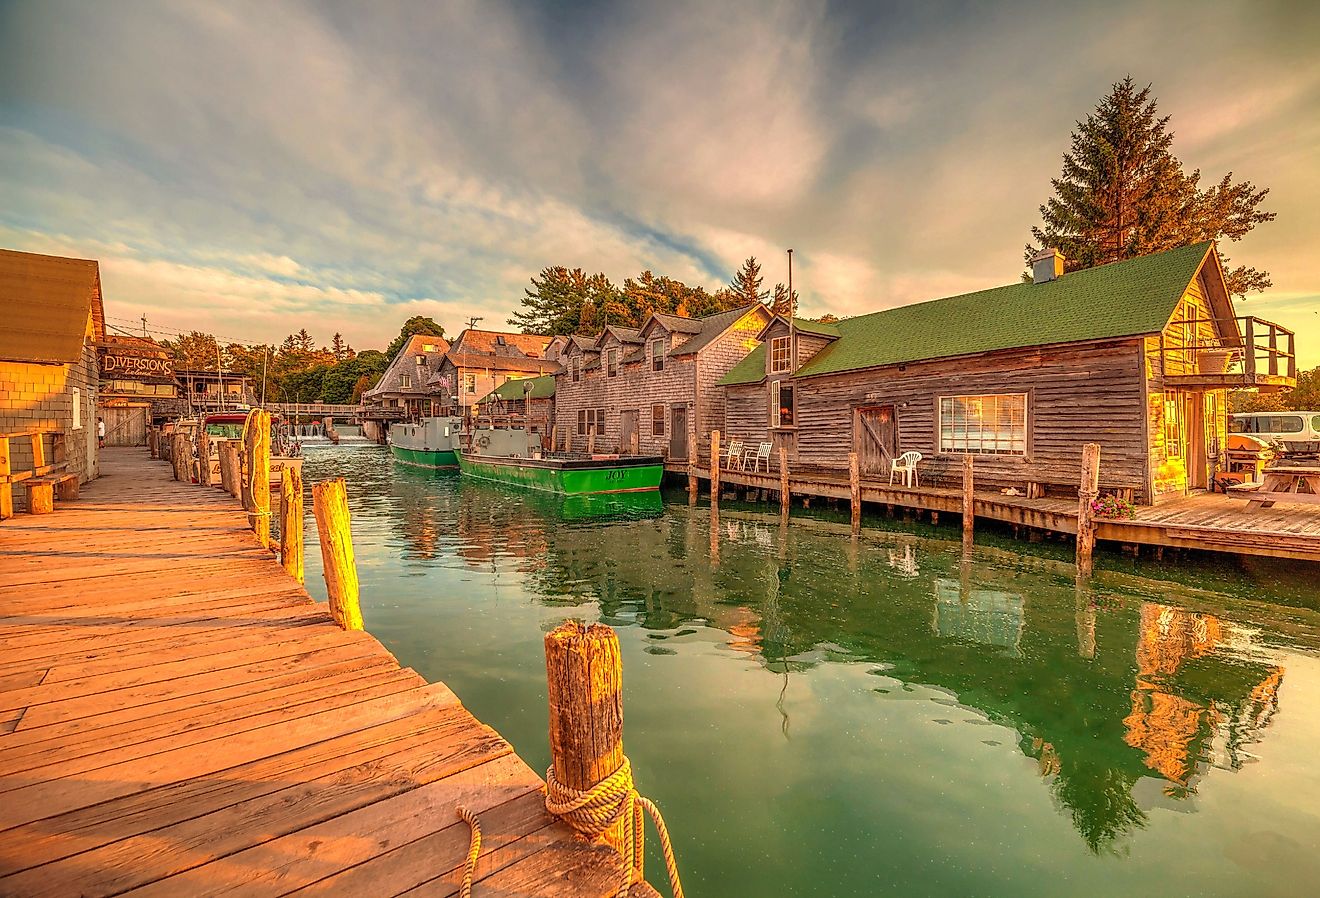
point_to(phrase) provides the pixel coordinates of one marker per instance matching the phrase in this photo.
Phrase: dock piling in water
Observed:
(968, 501)
(855, 490)
(330, 505)
(692, 466)
(714, 467)
(1086, 492)
(291, 522)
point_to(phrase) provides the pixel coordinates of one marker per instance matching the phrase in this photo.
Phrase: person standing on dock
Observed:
(100, 432)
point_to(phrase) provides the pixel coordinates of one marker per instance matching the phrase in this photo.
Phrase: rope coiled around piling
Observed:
(592, 811)
(474, 849)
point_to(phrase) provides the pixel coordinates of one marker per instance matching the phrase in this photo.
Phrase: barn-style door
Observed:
(875, 437)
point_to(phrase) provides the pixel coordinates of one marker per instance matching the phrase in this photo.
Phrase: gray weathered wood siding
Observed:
(1076, 394)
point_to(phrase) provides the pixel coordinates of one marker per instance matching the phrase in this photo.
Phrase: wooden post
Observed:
(330, 505)
(40, 497)
(180, 456)
(153, 442)
(714, 466)
(6, 488)
(67, 489)
(968, 502)
(230, 460)
(203, 455)
(584, 673)
(591, 443)
(692, 466)
(291, 521)
(258, 441)
(784, 496)
(1088, 490)
(38, 451)
(855, 490)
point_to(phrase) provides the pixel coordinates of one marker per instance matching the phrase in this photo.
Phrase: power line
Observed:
(158, 329)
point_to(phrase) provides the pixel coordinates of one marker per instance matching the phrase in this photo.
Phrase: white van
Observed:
(1278, 427)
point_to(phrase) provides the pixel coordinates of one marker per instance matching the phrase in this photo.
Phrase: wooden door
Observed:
(125, 425)
(875, 437)
(627, 429)
(678, 432)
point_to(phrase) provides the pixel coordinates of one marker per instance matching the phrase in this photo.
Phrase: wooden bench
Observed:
(42, 479)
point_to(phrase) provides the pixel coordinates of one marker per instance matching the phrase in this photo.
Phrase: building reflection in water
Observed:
(1105, 689)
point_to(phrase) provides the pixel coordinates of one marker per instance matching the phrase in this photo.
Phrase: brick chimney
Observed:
(1046, 265)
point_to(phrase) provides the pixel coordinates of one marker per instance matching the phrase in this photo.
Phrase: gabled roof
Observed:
(542, 387)
(500, 343)
(45, 302)
(711, 328)
(405, 362)
(624, 335)
(674, 323)
(1132, 298)
(804, 326)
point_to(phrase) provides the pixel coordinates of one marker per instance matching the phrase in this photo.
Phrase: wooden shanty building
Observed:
(138, 389)
(51, 320)
(525, 402)
(1137, 356)
(655, 383)
(479, 361)
(404, 391)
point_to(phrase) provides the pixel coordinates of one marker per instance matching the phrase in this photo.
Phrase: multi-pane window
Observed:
(575, 369)
(611, 362)
(590, 420)
(781, 404)
(658, 354)
(780, 352)
(657, 420)
(405, 381)
(1173, 426)
(469, 383)
(992, 424)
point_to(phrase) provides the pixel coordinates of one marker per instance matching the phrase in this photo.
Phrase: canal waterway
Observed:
(823, 715)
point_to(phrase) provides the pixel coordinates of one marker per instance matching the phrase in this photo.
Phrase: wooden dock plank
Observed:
(178, 717)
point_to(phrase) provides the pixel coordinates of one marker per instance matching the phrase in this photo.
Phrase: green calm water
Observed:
(819, 715)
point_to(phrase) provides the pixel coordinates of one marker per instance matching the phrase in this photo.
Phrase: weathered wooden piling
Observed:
(714, 467)
(692, 467)
(584, 676)
(203, 456)
(256, 441)
(291, 522)
(591, 443)
(180, 456)
(231, 469)
(330, 505)
(968, 501)
(855, 490)
(1086, 493)
(153, 442)
(785, 496)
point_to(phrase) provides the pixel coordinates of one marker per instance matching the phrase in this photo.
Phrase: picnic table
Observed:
(1285, 483)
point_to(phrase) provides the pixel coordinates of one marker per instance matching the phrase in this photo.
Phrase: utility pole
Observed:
(792, 319)
(472, 322)
(144, 325)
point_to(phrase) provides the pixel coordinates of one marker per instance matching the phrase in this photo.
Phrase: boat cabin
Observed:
(1137, 356)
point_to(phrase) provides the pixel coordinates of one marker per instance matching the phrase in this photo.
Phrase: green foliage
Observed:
(1304, 397)
(418, 324)
(783, 304)
(194, 350)
(1123, 193)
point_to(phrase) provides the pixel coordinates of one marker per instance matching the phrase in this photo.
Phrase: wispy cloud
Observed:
(256, 168)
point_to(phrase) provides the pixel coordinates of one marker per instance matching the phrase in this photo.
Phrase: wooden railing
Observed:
(1261, 348)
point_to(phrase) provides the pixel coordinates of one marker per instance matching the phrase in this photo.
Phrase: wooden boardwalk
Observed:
(1206, 521)
(177, 717)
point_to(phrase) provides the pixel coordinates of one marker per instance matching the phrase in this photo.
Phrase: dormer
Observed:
(779, 337)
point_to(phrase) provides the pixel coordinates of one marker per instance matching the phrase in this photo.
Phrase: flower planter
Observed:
(1213, 361)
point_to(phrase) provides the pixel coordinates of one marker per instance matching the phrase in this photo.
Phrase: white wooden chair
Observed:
(760, 454)
(905, 464)
(732, 454)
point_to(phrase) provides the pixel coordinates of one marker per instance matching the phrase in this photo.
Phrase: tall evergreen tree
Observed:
(781, 303)
(746, 284)
(568, 301)
(1123, 193)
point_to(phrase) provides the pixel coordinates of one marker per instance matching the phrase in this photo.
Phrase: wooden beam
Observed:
(6, 488)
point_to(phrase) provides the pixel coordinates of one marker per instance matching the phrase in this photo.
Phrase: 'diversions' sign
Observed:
(136, 366)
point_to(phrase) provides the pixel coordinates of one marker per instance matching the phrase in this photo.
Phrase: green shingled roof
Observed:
(1122, 299)
(543, 387)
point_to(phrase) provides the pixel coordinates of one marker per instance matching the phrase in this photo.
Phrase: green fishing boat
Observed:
(428, 443)
(513, 456)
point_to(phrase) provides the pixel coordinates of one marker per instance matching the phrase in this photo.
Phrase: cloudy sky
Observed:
(254, 168)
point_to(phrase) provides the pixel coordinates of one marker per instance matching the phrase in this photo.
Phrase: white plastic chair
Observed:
(906, 464)
(760, 454)
(733, 454)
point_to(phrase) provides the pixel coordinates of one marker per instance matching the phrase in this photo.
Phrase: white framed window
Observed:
(658, 354)
(405, 381)
(991, 424)
(780, 351)
(611, 363)
(421, 360)
(782, 408)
